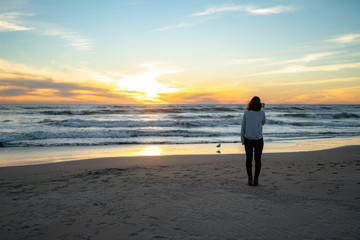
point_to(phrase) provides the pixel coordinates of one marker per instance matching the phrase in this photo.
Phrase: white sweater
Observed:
(252, 125)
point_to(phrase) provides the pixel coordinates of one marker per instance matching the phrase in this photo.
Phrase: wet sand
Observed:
(303, 195)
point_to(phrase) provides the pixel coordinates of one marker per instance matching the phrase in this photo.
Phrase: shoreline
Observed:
(24, 156)
(185, 197)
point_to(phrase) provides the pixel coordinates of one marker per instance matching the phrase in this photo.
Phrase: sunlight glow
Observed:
(147, 83)
(153, 151)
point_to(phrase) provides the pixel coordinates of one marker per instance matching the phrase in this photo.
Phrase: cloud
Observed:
(75, 40)
(16, 70)
(167, 28)
(267, 11)
(16, 87)
(240, 8)
(11, 70)
(306, 59)
(301, 68)
(19, 82)
(10, 22)
(12, 91)
(313, 57)
(48, 90)
(314, 82)
(334, 80)
(309, 57)
(216, 9)
(228, 8)
(349, 38)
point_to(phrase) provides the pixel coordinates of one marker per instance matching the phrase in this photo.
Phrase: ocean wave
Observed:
(341, 115)
(135, 110)
(297, 108)
(59, 125)
(121, 133)
(85, 112)
(224, 109)
(80, 123)
(345, 115)
(107, 142)
(297, 115)
(161, 110)
(32, 107)
(4, 108)
(292, 123)
(96, 136)
(202, 117)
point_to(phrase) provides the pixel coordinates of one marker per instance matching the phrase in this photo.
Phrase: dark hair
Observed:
(254, 104)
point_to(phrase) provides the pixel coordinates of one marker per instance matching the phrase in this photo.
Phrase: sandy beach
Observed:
(303, 195)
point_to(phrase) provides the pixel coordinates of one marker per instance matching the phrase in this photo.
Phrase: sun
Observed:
(152, 150)
(145, 86)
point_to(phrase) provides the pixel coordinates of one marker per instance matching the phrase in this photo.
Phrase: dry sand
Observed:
(304, 195)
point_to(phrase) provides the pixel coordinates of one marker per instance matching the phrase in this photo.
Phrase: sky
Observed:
(180, 52)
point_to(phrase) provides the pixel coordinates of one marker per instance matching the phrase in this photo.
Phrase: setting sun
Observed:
(152, 150)
(145, 86)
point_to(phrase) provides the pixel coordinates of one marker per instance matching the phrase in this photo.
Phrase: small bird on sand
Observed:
(219, 145)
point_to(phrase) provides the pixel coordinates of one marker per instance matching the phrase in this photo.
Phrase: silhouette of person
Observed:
(252, 137)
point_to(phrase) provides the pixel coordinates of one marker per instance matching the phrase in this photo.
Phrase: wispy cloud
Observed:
(314, 82)
(13, 22)
(267, 11)
(167, 28)
(309, 57)
(228, 8)
(334, 80)
(10, 22)
(216, 9)
(349, 38)
(306, 59)
(301, 68)
(75, 40)
(247, 9)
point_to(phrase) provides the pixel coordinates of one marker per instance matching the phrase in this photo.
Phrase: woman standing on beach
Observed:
(252, 137)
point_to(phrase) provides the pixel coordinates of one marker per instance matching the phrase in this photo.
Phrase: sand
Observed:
(303, 195)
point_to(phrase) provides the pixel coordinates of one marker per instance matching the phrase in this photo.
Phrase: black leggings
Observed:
(255, 146)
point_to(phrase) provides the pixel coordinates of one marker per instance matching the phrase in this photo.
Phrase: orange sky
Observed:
(179, 53)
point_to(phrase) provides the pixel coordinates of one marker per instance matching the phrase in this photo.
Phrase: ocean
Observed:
(101, 125)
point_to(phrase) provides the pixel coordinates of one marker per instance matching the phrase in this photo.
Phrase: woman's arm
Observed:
(243, 127)
(264, 120)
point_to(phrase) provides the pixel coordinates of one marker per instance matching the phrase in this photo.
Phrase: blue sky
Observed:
(193, 51)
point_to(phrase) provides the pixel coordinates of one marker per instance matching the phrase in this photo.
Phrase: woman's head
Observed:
(254, 104)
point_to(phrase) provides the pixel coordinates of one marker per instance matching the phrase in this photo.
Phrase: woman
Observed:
(252, 137)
